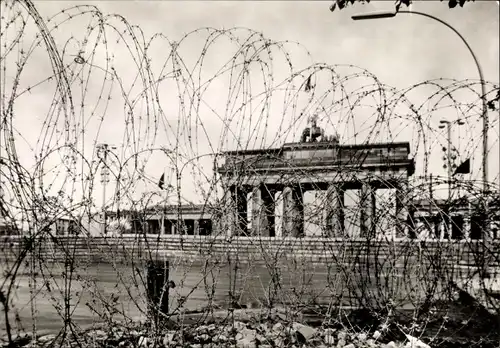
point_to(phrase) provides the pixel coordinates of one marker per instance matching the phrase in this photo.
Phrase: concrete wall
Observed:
(313, 249)
(404, 269)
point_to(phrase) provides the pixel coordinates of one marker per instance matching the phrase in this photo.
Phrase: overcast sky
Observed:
(417, 48)
(400, 52)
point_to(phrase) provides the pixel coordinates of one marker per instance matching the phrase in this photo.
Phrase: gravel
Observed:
(237, 334)
(247, 331)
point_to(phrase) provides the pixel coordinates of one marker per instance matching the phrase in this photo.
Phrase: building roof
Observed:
(169, 208)
(315, 145)
(461, 202)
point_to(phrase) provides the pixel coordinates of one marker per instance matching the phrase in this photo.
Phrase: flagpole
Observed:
(310, 129)
(431, 211)
(308, 88)
(162, 231)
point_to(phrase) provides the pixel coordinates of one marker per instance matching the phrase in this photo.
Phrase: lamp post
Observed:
(102, 152)
(379, 15)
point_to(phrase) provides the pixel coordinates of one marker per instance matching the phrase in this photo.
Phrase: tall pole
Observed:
(104, 185)
(104, 203)
(103, 150)
(448, 157)
(162, 230)
(484, 114)
(164, 199)
(311, 122)
(431, 205)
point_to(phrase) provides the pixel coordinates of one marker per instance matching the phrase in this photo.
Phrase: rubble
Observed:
(263, 333)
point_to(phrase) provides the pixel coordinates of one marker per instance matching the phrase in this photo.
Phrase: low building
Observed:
(6, 228)
(462, 219)
(426, 220)
(169, 219)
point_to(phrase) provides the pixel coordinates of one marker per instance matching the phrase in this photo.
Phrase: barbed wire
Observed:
(82, 78)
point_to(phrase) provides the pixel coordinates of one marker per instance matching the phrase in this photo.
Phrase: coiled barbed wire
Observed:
(181, 103)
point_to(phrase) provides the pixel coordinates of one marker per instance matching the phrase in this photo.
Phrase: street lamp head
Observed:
(376, 15)
(441, 126)
(460, 122)
(443, 122)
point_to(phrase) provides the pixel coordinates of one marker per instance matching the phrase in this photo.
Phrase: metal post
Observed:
(104, 206)
(158, 285)
(448, 131)
(162, 230)
(163, 196)
(432, 222)
(448, 205)
(104, 148)
(310, 129)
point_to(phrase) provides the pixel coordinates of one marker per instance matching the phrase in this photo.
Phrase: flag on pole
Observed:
(463, 168)
(161, 183)
(308, 85)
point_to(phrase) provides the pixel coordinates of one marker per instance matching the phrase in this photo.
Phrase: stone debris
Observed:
(239, 335)
(263, 334)
(390, 345)
(306, 331)
(414, 342)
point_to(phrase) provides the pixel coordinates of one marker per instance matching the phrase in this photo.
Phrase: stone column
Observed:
(293, 212)
(466, 226)
(442, 228)
(401, 209)
(279, 219)
(241, 209)
(411, 223)
(263, 207)
(258, 212)
(229, 212)
(437, 226)
(421, 228)
(162, 225)
(334, 208)
(196, 227)
(367, 206)
(268, 199)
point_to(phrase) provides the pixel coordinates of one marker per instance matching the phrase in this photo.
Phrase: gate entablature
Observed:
(318, 162)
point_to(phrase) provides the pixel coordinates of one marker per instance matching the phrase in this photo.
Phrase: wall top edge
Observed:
(152, 237)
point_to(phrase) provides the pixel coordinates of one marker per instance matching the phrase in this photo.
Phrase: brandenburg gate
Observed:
(256, 178)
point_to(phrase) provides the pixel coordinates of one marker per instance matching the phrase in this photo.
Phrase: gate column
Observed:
(235, 214)
(293, 212)
(402, 215)
(263, 210)
(367, 210)
(334, 210)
